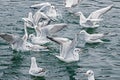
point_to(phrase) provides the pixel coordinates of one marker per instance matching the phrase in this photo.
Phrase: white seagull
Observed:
(92, 38)
(35, 20)
(21, 44)
(90, 75)
(51, 12)
(43, 32)
(35, 70)
(71, 3)
(68, 51)
(94, 18)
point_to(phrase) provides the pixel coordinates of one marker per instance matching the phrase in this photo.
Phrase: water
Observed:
(103, 59)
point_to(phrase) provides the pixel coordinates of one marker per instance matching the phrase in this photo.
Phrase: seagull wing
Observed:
(10, 38)
(63, 44)
(96, 36)
(58, 40)
(37, 16)
(40, 5)
(98, 13)
(37, 70)
(71, 47)
(30, 16)
(57, 27)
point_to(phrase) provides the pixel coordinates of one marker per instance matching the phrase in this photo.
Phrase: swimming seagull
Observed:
(90, 75)
(43, 32)
(68, 51)
(21, 44)
(92, 38)
(71, 3)
(35, 70)
(94, 18)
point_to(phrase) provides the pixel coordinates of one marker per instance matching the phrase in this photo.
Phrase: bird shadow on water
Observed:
(16, 59)
(37, 78)
(71, 70)
(90, 30)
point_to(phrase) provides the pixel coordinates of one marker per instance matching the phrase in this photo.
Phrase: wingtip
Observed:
(1, 34)
(49, 37)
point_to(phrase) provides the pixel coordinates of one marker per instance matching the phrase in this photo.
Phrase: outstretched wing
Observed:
(58, 40)
(40, 5)
(64, 43)
(56, 27)
(39, 15)
(10, 38)
(98, 13)
(71, 47)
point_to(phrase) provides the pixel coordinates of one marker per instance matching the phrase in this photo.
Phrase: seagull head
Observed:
(33, 58)
(53, 7)
(77, 50)
(31, 36)
(90, 75)
(83, 32)
(78, 13)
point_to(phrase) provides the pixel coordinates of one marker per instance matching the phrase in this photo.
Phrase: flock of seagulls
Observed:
(40, 21)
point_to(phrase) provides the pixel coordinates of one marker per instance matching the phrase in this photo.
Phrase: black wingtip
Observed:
(52, 39)
(49, 37)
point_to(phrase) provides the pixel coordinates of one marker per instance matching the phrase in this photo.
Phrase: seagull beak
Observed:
(76, 14)
(85, 74)
(43, 70)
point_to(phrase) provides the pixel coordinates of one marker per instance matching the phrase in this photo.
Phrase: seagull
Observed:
(71, 3)
(90, 75)
(94, 18)
(35, 70)
(68, 51)
(51, 12)
(21, 44)
(43, 32)
(92, 38)
(34, 20)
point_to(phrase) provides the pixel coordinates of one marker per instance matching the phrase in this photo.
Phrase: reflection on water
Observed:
(103, 58)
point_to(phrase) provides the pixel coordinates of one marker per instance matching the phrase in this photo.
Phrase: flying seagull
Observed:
(21, 44)
(94, 18)
(36, 19)
(47, 9)
(43, 32)
(68, 51)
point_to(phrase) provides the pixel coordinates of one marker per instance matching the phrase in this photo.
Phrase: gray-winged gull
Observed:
(21, 44)
(43, 32)
(91, 38)
(94, 18)
(68, 51)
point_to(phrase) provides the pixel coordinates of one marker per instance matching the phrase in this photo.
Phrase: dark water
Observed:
(103, 59)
